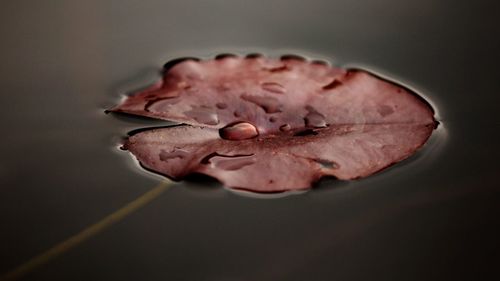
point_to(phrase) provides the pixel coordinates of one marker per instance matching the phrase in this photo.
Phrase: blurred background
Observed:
(432, 217)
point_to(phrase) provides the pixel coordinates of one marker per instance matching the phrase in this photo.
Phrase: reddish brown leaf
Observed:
(272, 125)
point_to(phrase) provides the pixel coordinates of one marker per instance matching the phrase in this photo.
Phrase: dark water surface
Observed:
(433, 217)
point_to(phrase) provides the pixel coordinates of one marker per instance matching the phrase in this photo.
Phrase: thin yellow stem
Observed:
(85, 234)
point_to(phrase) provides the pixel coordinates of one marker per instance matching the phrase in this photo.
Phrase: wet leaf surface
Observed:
(271, 125)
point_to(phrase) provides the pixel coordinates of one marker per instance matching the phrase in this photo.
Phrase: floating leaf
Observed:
(271, 125)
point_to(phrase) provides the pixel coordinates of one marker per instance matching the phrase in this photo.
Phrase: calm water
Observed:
(433, 217)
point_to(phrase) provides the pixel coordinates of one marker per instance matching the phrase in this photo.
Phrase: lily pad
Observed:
(271, 125)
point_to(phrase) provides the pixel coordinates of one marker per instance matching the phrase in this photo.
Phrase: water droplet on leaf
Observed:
(176, 153)
(160, 104)
(335, 83)
(327, 164)
(273, 87)
(238, 131)
(221, 105)
(314, 118)
(269, 104)
(203, 115)
(285, 128)
(232, 163)
(306, 132)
